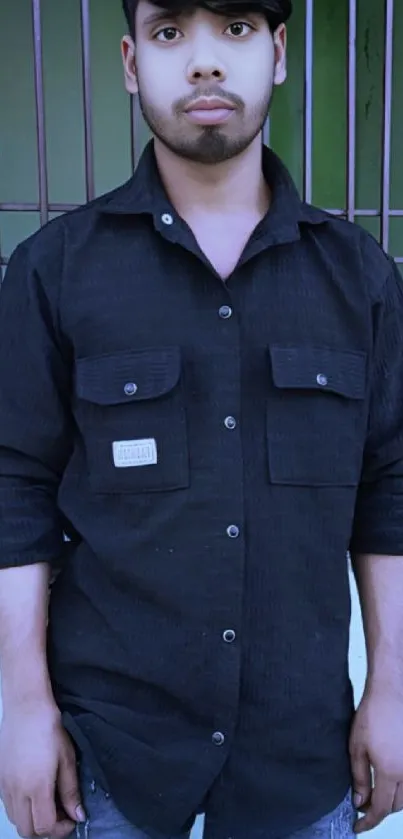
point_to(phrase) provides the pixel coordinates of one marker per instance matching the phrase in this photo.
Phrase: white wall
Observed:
(393, 827)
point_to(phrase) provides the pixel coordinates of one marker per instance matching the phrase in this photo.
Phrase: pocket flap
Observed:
(320, 368)
(129, 376)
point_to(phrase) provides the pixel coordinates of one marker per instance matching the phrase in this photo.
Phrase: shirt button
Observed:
(322, 380)
(233, 531)
(229, 636)
(218, 738)
(225, 312)
(130, 389)
(166, 218)
(230, 422)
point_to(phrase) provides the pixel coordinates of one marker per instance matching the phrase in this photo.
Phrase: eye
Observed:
(168, 34)
(239, 29)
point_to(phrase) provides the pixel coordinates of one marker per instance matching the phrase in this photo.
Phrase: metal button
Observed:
(218, 738)
(225, 312)
(230, 422)
(322, 380)
(167, 218)
(130, 389)
(233, 531)
(229, 636)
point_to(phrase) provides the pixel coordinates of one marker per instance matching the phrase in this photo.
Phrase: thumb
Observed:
(68, 788)
(362, 778)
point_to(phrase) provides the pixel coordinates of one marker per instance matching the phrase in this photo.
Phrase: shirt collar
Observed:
(286, 209)
(144, 193)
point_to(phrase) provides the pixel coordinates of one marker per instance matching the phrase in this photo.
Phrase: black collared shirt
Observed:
(212, 450)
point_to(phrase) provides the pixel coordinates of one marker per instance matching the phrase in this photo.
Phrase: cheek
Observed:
(264, 68)
(254, 84)
(159, 80)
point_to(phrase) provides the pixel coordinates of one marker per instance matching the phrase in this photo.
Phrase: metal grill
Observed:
(383, 212)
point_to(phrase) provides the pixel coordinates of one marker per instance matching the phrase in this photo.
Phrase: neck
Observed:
(230, 187)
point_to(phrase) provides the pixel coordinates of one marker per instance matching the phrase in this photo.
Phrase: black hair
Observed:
(276, 11)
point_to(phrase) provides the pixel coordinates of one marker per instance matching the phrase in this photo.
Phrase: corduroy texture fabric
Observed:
(123, 356)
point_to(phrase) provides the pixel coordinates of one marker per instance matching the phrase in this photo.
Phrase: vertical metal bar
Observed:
(133, 143)
(87, 95)
(40, 113)
(135, 117)
(387, 123)
(1, 261)
(351, 104)
(308, 96)
(267, 131)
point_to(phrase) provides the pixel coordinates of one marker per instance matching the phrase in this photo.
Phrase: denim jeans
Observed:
(106, 822)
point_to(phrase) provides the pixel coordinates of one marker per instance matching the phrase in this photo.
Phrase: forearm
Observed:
(23, 626)
(380, 587)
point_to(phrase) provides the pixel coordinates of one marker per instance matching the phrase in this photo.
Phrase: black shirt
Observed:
(212, 450)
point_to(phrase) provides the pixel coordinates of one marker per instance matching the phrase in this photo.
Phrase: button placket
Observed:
(230, 422)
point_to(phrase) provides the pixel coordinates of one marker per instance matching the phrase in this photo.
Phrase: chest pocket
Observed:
(130, 410)
(316, 417)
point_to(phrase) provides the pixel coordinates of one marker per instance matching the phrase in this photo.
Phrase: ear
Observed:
(280, 46)
(129, 64)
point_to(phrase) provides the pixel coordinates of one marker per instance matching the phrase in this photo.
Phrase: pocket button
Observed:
(322, 380)
(130, 389)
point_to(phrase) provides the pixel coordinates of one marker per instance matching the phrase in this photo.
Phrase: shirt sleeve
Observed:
(35, 423)
(378, 524)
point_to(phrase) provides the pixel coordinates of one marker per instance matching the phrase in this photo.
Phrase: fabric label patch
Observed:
(134, 453)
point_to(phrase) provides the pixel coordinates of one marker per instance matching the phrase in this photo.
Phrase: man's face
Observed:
(204, 80)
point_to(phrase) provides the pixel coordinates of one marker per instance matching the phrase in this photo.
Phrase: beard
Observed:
(210, 144)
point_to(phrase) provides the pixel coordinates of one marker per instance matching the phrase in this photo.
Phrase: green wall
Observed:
(65, 131)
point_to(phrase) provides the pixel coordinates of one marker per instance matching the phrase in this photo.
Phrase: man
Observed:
(202, 388)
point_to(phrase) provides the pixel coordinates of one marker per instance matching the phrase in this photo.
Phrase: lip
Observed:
(210, 104)
(210, 111)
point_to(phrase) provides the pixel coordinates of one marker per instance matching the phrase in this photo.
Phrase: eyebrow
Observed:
(164, 14)
(157, 17)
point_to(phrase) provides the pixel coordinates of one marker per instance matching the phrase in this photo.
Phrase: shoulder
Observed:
(352, 251)
(47, 248)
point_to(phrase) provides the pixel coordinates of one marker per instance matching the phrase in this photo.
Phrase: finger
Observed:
(9, 808)
(63, 829)
(362, 778)
(23, 818)
(381, 805)
(44, 814)
(398, 802)
(68, 789)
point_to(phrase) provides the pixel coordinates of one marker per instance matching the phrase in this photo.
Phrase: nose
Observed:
(205, 66)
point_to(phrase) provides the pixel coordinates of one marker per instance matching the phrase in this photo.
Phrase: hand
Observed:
(376, 745)
(38, 772)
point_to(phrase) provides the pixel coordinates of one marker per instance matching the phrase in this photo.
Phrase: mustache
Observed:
(208, 91)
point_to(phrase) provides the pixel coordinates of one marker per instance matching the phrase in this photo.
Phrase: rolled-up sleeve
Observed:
(35, 421)
(378, 524)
